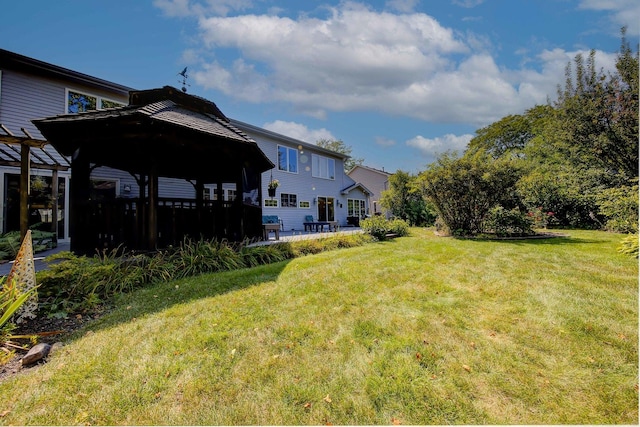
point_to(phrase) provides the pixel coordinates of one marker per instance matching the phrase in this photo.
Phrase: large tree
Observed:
(339, 146)
(510, 135)
(599, 112)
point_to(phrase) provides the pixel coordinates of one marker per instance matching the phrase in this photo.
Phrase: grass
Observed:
(417, 330)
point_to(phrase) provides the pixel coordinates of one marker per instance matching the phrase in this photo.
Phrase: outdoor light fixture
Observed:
(127, 188)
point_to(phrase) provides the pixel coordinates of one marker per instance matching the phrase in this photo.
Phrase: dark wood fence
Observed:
(118, 223)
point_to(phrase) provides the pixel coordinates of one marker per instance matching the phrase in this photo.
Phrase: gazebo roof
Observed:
(183, 136)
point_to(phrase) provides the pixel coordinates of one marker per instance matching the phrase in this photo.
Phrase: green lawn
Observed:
(417, 330)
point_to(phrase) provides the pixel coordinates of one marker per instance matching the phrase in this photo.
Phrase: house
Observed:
(376, 181)
(312, 180)
(30, 89)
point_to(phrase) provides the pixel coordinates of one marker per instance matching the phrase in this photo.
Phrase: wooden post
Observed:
(199, 187)
(81, 230)
(25, 181)
(141, 212)
(152, 219)
(54, 208)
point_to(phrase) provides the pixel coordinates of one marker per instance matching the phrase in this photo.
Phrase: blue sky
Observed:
(398, 80)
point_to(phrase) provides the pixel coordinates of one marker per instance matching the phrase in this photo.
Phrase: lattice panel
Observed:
(23, 272)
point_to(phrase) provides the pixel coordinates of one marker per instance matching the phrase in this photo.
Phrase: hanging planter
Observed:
(271, 187)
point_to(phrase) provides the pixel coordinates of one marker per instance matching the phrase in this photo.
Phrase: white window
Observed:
(287, 159)
(288, 200)
(304, 204)
(323, 167)
(77, 102)
(356, 207)
(270, 203)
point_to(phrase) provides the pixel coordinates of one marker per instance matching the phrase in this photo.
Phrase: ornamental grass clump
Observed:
(12, 298)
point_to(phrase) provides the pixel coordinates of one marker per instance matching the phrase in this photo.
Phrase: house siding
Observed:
(302, 183)
(24, 97)
(376, 181)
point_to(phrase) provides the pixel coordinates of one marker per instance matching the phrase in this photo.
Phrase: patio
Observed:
(295, 235)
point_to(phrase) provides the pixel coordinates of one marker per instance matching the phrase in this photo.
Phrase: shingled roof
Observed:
(188, 136)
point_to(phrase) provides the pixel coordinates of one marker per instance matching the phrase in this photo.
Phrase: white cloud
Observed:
(183, 8)
(623, 13)
(402, 5)
(359, 59)
(384, 142)
(468, 3)
(432, 147)
(299, 131)
(174, 8)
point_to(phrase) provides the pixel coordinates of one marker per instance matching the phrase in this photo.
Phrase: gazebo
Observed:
(161, 133)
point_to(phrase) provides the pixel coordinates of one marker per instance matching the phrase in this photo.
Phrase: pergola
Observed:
(32, 154)
(161, 133)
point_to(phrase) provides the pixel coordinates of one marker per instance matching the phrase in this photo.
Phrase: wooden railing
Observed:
(120, 222)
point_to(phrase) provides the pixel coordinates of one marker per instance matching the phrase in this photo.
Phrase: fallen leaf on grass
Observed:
(327, 399)
(307, 405)
(466, 368)
(418, 356)
(395, 421)
(4, 413)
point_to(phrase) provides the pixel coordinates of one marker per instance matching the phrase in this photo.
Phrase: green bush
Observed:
(504, 222)
(10, 242)
(620, 208)
(379, 227)
(629, 245)
(464, 189)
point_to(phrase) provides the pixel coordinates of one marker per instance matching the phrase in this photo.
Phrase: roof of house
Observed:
(287, 139)
(370, 169)
(13, 61)
(359, 185)
(188, 136)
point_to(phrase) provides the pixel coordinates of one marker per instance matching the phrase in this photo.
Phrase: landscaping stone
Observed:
(37, 352)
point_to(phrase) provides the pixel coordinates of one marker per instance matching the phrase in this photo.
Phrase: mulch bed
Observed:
(66, 326)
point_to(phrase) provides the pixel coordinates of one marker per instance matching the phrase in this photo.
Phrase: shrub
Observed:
(10, 242)
(379, 227)
(464, 189)
(629, 245)
(508, 222)
(620, 208)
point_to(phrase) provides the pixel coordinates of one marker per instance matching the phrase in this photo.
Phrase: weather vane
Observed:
(184, 75)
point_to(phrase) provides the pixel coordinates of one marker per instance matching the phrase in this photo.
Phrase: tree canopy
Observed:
(575, 159)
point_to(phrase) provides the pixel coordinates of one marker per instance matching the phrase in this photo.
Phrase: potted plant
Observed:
(271, 187)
